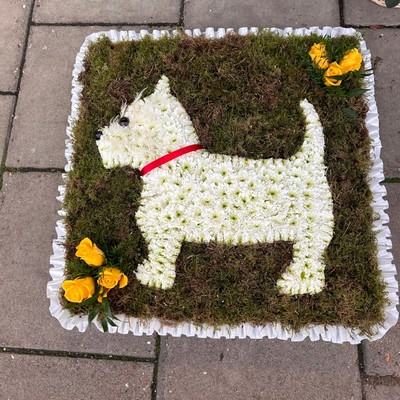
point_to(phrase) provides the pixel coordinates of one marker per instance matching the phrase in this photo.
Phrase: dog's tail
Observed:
(312, 149)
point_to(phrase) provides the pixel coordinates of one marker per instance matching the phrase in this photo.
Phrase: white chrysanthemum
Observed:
(203, 197)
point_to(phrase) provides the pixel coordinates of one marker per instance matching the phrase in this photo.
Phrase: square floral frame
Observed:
(336, 333)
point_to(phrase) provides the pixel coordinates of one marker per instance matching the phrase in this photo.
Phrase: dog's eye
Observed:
(124, 121)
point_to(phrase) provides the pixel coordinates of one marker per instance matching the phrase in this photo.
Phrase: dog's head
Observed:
(145, 130)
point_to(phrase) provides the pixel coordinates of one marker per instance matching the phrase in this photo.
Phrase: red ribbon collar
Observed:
(169, 157)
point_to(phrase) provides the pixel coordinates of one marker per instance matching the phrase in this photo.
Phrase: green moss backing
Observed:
(242, 94)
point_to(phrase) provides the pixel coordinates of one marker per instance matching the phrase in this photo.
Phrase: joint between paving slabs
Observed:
(373, 27)
(13, 170)
(360, 353)
(110, 24)
(182, 14)
(154, 381)
(341, 12)
(391, 180)
(72, 354)
(178, 24)
(361, 369)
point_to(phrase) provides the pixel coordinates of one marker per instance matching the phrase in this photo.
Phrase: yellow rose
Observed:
(90, 253)
(319, 55)
(351, 61)
(79, 289)
(333, 70)
(111, 277)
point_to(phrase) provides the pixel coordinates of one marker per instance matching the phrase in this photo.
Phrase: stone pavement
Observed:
(39, 360)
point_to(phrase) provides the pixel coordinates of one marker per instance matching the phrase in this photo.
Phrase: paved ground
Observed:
(39, 360)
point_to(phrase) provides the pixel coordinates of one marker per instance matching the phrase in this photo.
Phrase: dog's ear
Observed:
(163, 85)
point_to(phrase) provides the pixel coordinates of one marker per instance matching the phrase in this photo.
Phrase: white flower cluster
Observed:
(203, 197)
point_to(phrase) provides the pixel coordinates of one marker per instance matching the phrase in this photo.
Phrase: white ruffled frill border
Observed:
(335, 334)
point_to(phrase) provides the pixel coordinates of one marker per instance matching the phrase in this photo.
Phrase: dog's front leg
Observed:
(159, 269)
(306, 273)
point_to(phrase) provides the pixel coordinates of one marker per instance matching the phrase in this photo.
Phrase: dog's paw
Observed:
(300, 284)
(152, 276)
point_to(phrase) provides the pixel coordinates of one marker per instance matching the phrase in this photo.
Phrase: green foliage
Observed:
(103, 312)
(242, 94)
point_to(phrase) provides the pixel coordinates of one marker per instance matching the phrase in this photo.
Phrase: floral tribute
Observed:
(229, 188)
(88, 290)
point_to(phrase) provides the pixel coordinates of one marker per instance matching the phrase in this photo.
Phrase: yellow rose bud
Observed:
(351, 61)
(79, 289)
(319, 55)
(333, 70)
(90, 253)
(111, 277)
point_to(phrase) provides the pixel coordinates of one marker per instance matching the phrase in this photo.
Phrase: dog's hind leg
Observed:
(159, 269)
(306, 273)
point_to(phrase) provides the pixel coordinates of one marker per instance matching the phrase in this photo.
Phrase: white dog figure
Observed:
(203, 197)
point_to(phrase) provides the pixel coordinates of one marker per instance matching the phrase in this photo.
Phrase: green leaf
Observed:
(348, 112)
(111, 322)
(107, 309)
(356, 92)
(88, 301)
(391, 3)
(106, 305)
(336, 90)
(104, 324)
(93, 313)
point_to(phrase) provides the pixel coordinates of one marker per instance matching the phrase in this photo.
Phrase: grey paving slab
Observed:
(384, 46)
(13, 22)
(202, 369)
(236, 13)
(26, 377)
(38, 136)
(6, 108)
(116, 11)
(28, 215)
(382, 392)
(367, 13)
(382, 357)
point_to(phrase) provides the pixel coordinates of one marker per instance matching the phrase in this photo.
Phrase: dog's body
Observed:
(203, 197)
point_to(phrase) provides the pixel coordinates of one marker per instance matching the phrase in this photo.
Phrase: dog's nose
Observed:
(98, 134)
